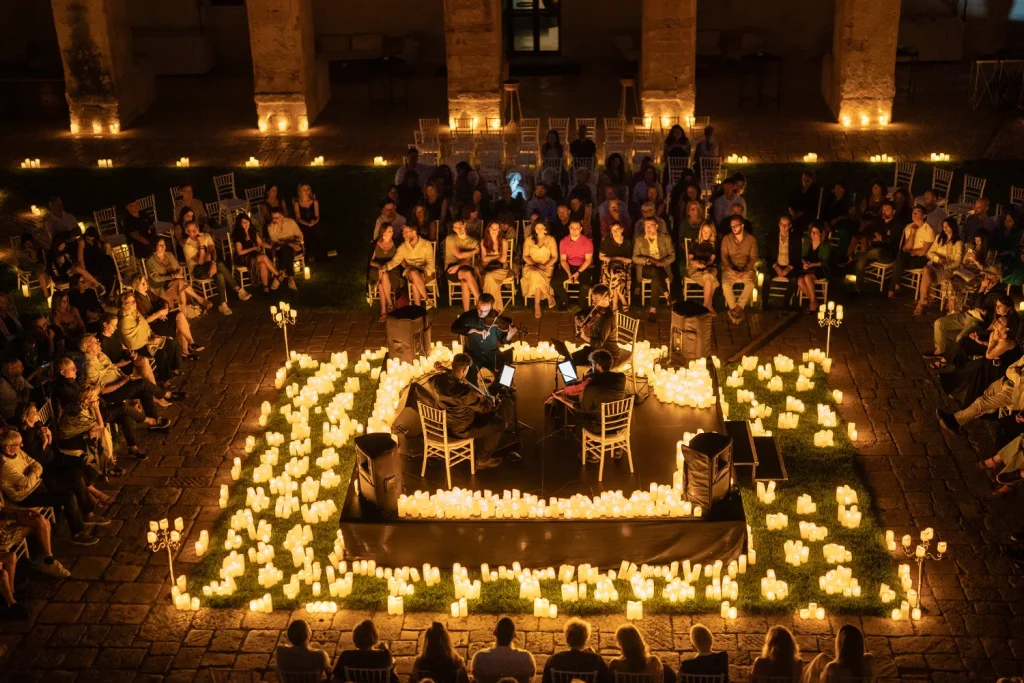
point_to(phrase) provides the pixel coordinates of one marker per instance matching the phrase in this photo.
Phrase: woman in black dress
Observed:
(388, 281)
(616, 256)
(92, 255)
(815, 262)
(249, 247)
(307, 215)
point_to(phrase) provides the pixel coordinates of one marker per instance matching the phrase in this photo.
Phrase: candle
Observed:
(163, 524)
(906, 540)
(941, 547)
(306, 272)
(151, 537)
(179, 524)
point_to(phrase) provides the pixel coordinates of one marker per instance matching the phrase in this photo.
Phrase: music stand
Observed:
(566, 428)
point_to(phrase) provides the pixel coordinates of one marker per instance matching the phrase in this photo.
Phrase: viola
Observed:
(502, 322)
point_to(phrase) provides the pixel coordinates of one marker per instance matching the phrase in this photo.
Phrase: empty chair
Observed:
(616, 418)
(710, 173)
(1016, 196)
(106, 221)
(904, 176)
(941, 180)
(973, 189)
(254, 195)
(614, 129)
(558, 676)
(529, 131)
(353, 675)
(147, 207)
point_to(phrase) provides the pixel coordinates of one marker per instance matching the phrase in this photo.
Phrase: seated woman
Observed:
(540, 254)
(437, 659)
(81, 426)
(849, 663)
(420, 220)
(460, 252)
(700, 263)
(86, 301)
(168, 278)
(94, 263)
(815, 262)
(967, 278)
(32, 260)
(973, 375)
(780, 656)
(494, 261)
(186, 216)
(249, 250)
(271, 199)
(616, 255)
(163, 320)
(944, 258)
(867, 211)
(707, 662)
(66, 318)
(307, 215)
(370, 653)
(141, 339)
(634, 657)
(388, 281)
(113, 348)
(21, 480)
(692, 220)
(62, 260)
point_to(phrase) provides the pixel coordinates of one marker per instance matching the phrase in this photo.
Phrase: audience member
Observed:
(14, 388)
(21, 482)
(649, 180)
(634, 658)
(249, 249)
(140, 230)
(84, 299)
(417, 258)
(979, 219)
(649, 212)
(985, 362)
(722, 209)
(542, 204)
(654, 254)
(119, 354)
(66, 318)
(140, 338)
(411, 162)
(301, 658)
(437, 659)
(737, 210)
(437, 205)
(576, 255)
(388, 214)
(201, 258)
(494, 261)
(57, 220)
(739, 258)
(37, 532)
(700, 263)
(850, 661)
(370, 653)
(420, 220)
(706, 662)
(785, 253)
(272, 200)
(917, 240)
(804, 201)
(503, 658)
(1011, 457)
(611, 198)
(388, 281)
(616, 256)
(460, 251)
(815, 262)
(81, 430)
(62, 259)
(934, 212)
(164, 321)
(868, 212)
(513, 200)
(94, 263)
(540, 255)
(615, 215)
(885, 243)
(579, 657)
(691, 221)
(187, 199)
(168, 278)
(551, 152)
(945, 256)
(286, 242)
(32, 260)
(780, 656)
(582, 149)
(967, 278)
(615, 175)
(706, 148)
(307, 215)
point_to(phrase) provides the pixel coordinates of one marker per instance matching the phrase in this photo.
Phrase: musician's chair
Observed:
(616, 418)
(437, 443)
(626, 328)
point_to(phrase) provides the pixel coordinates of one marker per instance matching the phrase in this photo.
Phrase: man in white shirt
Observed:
(58, 220)
(388, 214)
(504, 658)
(287, 241)
(201, 257)
(917, 240)
(411, 163)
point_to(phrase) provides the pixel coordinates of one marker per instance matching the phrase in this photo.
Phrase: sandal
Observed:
(984, 464)
(382, 318)
(938, 364)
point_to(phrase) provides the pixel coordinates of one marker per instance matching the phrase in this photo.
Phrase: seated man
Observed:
(302, 658)
(582, 148)
(784, 255)
(885, 243)
(1007, 392)
(649, 211)
(504, 659)
(916, 241)
(654, 253)
(388, 214)
(416, 255)
(722, 207)
(86, 301)
(575, 261)
(934, 212)
(189, 199)
(14, 388)
(58, 220)
(140, 231)
(981, 307)
(803, 201)
(542, 203)
(579, 657)
(36, 530)
(483, 339)
(736, 210)
(201, 258)
(979, 219)
(470, 413)
(739, 258)
(286, 241)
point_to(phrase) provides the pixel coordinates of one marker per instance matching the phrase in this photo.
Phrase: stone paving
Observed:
(112, 620)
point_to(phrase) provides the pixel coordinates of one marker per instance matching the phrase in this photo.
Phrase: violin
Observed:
(491, 399)
(502, 322)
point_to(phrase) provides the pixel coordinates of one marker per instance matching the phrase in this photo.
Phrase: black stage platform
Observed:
(552, 467)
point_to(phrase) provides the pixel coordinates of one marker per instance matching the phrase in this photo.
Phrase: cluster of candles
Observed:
(728, 613)
(886, 594)
(317, 161)
(736, 159)
(183, 602)
(164, 525)
(759, 410)
(252, 162)
(776, 521)
(775, 385)
(322, 607)
(30, 163)
(812, 611)
(689, 387)
(457, 503)
(882, 159)
(834, 553)
(850, 517)
(905, 612)
(839, 581)
(183, 162)
(826, 416)
(634, 610)
(824, 439)
(105, 163)
(543, 608)
(805, 505)
(809, 531)
(203, 544)
(803, 384)
(939, 156)
(766, 492)
(810, 158)
(794, 405)
(926, 536)
(789, 420)
(851, 431)
(796, 552)
(772, 588)
(522, 351)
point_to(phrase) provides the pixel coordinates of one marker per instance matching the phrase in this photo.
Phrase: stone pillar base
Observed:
(657, 105)
(290, 112)
(478, 106)
(874, 108)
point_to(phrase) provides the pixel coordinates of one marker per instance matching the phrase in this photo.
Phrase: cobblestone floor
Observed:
(112, 620)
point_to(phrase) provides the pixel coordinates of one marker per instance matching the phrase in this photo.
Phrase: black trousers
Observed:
(486, 430)
(904, 261)
(558, 284)
(137, 389)
(286, 259)
(62, 501)
(72, 480)
(118, 413)
(659, 283)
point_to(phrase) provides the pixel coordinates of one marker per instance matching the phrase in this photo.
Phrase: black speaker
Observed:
(707, 474)
(380, 471)
(691, 332)
(408, 333)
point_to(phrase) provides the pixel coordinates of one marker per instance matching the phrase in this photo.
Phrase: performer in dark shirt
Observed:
(596, 326)
(471, 413)
(483, 338)
(598, 386)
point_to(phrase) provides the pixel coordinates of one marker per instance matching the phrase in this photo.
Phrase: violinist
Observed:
(597, 327)
(471, 414)
(485, 332)
(584, 397)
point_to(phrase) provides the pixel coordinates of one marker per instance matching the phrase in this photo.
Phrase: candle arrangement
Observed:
(920, 552)
(805, 506)
(809, 531)
(824, 439)
(773, 589)
(939, 156)
(777, 521)
(835, 554)
(839, 581)
(810, 158)
(30, 163)
(796, 553)
(812, 611)
(183, 162)
(881, 159)
(766, 492)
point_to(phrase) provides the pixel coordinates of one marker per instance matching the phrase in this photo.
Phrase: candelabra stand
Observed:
(161, 536)
(284, 317)
(920, 554)
(830, 316)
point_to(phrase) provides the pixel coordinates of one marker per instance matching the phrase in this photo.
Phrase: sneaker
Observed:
(1009, 478)
(291, 284)
(96, 520)
(52, 568)
(224, 309)
(948, 421)
(275, 283)
(84, 538)
(487, 463)
(244, 295)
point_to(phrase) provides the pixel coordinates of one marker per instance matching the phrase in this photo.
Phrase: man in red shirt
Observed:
(575, 261)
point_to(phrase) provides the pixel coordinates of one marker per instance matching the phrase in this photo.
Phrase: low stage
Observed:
(551, 467)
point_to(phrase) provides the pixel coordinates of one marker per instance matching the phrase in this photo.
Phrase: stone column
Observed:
(291, 82)
(104, 86)
(668, 58)
(858, 79)
(475, 57)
